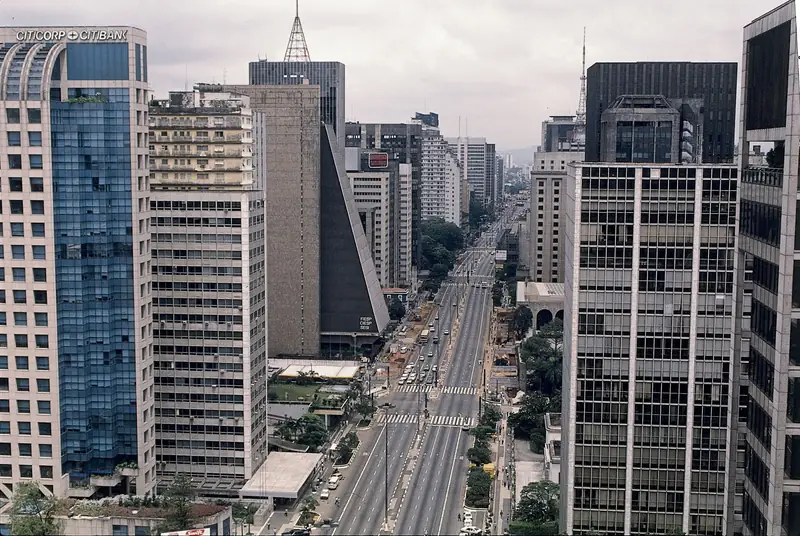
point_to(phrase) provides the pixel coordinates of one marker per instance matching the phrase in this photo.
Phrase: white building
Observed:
(405, 270)
(441, 178)
(371, 192)
(648, 367)
(76, 361)
(209, 298)
(473, 154)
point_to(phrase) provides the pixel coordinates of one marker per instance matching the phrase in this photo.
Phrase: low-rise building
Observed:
(552, 446)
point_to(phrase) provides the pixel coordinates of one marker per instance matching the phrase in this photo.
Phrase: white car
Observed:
(403, 349)
(430, 354)
(324, 494)
(447, 332)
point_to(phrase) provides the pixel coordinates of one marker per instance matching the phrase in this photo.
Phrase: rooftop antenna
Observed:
(580, 116)
(186, 78)
(224, 76)
(297, 49)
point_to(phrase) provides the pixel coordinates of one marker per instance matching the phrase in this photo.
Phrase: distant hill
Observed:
(521, 156)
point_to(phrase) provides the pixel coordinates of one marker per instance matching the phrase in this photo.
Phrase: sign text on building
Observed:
(378, 160)
(366, 323)
(72, 35)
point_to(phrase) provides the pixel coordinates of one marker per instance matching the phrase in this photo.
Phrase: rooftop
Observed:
(331, 370)
(124, 508)
(540, 292)
(282, 475)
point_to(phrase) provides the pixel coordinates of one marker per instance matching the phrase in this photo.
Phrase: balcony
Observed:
(192, 152)
(227, 167)
(80, 492)
(106, 481)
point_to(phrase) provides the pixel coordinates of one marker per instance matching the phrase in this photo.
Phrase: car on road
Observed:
(426, 368)
(430, 325)
(447, 332)
(435, 368)
(404, 349)
(324, 494)
(430, 354)
(430, 379)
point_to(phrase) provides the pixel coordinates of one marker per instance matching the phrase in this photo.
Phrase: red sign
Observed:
(378, 160)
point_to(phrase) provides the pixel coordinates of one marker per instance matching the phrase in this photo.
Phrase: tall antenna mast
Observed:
(297, 49)
(579, 135)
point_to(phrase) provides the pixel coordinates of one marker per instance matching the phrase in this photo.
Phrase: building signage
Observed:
(366, 323)
(378, 160)
(50, 35)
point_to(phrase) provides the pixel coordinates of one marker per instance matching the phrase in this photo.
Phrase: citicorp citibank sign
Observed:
(72, 35)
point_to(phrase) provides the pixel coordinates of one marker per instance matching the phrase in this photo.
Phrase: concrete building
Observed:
(371, 194)
(640, 128)
(401, 142)
(441, 178)
(708, 88)
(207, 208)
(545, 259)
(76, 381)
(768, 281)
(559, 134)
(499, 181)
(648, 385)
(491, 175)
(472, 153)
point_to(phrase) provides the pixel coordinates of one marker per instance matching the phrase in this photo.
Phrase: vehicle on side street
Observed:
(403, 349)
(333, 482)
(324, 494)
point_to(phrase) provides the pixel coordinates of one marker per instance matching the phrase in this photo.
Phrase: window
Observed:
(5, 449)
(5, 427)
(4, 386)
(5, 406)
(43, 407)
(23, 406)
(37, 230)
(18, 252)
(3, 362)
(119, 530)
(40, 297)
(15, 184)
(42, 341)
(45, 429)
(21, 340)
(35, 161)
(26, 471)
(45, 450)
(15, 161)
(23, 385)
(4, 341)
(43, 385)
(12, 115)
(40, 319)
(17, 229)
(35, 139)
(37, 184)
(34, 115)
(24, 428)
(14, 139)
(20, 297)
(26, 450)
(39, 253)
(42, 363)
(37, 207)
(20, 318)
(40, 275)
(16, 206)
(22, 362)
(46, 471)
(3, 319)
(5, 469)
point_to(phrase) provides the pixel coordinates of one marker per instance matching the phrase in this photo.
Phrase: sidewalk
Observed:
(503, 504)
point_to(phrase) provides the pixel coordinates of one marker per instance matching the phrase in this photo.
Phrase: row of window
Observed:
(26, 450)
(21, 341)
(18, 252)
(18, 229)
(16, 206)
(43, 407)
(21, 319)
(23, 385)
(22, 362)
(15, 184)
(26, 428)
(26, 471)
(14, 116)
(34, 161)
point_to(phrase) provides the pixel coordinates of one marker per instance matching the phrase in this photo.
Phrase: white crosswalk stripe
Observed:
(426, 388)
(397, 418)
(414, 388)
(447, 420)
(448, 389)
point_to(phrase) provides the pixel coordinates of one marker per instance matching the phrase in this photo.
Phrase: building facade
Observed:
(545, 256)
(560, 134)
(76, 388)
(441, 178)
(209, 291)
(714, 84)
(768, 279)
(648, 368)
(328, 75)
(371, 194)
(472, 153)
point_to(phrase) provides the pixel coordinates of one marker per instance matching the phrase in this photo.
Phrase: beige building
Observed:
(209, 297)
(371, 193)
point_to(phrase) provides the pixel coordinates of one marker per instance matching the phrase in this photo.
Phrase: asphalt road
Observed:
(436, 491)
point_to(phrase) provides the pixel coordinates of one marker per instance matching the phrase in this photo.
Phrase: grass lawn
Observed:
(290, 392)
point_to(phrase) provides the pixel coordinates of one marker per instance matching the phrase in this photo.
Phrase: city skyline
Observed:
(437, 73)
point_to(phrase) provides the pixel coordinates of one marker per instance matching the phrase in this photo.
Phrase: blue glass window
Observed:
(37, 184)
(15, 184)
(3, 319)
(36, 161)
(24, 428)
(5, 427)
(40, 319)
(3, 362)
(22, 362)
(35, 139)
(5, 407)
(15, 161)
(144, 63)
(23, 406)
(42, 342)
(97, 61)
(138, 62)
(43, 407)
(37, 207)
(20, 318)
(42, 363)
(18, 252)
(43, 385)
(45, 450)
(39, 252)
(12, 115)
(21, 341)
(45, 429)
(34, 115)
(2, 274)
(17, 229)
(4, 384)
(19, 274)
(20, 296)
(14, 139)
(16, 206)
(37, 230)
(40, 275)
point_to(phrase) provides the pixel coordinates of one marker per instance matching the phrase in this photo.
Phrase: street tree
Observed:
(177, 501)
(538, 502)
(554, 334)
(312, 431)
(521, 321)
(32, 513)
(396, 309)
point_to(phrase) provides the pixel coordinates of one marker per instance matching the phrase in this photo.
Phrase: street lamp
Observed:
(387, 406)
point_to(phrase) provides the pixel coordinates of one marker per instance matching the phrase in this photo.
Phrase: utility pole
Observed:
(386, 470)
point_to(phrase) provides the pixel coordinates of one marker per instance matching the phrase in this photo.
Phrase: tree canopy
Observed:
(521, 321)
(441, 242)
(396, 309)
(177, 503)
(32, 513)
(308, 430)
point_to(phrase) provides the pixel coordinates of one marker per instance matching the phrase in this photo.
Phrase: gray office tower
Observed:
(328, 75)
(708, 89)
(403, 143)
(767, 333)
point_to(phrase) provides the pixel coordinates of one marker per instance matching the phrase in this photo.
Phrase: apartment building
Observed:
(371, 193)
(648, 368)
(209, 291)
(76, 363)
(473, 153)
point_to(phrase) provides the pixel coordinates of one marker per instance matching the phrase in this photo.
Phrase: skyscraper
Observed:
(767, 340)
(648, 370)
(713, 83)
(76, 389)
(473, 154)
(209, 291)
(441, 178)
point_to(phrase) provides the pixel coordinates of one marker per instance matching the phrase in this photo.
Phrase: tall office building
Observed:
(648, 368)
(209, 291)
(372, 197)
(402, 142)
(499, 180)
(441, 176)
(682, 83)
(76, 388)
(489, 186)
(767, 340)
(473, 155)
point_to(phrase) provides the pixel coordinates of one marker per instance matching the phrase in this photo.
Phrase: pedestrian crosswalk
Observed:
(448, 389)
(434, 420)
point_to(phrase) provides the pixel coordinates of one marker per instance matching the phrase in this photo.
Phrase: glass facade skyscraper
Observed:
(78, 343)
(328, 75)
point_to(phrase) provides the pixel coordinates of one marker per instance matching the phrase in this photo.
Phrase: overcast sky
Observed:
(503, 66)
